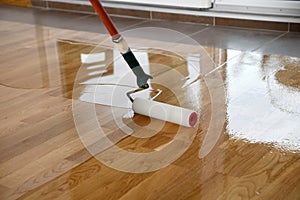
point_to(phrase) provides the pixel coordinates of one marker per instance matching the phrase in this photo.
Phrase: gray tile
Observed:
(13, 13)
(234, 38)
(57, 19)
(288, 44)
(154, 34)
(92, 23)
(184, 28)
(38, 16)
(164, 30)
(61, 19)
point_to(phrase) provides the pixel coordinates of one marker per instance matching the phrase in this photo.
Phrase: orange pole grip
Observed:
(105, 18)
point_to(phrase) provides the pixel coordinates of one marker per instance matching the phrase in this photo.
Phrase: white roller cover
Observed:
(165, 112)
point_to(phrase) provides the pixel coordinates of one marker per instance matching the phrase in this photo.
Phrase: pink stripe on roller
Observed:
(193, 119)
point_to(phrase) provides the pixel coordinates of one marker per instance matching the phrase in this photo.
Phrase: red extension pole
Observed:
(122, 45)
(105, 18)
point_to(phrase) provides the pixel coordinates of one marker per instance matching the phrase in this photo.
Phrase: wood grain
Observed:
(43, 157)
(23, 3)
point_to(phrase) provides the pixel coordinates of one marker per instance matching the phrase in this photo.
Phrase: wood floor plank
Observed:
(50, 150)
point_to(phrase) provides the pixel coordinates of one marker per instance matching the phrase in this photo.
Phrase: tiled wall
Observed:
(215, 21)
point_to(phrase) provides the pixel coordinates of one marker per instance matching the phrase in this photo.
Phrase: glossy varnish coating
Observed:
(42, 157)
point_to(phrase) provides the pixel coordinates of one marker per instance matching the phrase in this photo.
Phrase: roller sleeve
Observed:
(165, 112)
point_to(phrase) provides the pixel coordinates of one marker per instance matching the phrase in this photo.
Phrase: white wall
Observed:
(277, 7)
(173, 3)
(267, 7)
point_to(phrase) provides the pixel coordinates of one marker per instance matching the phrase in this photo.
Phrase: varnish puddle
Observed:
(263, 99)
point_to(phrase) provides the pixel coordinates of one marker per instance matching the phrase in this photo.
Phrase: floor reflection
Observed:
(73, 55)
(104, 78)
(263, 99)
(16, 57)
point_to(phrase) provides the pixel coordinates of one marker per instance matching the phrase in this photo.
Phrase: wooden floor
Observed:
(23, 3)
(44, 155)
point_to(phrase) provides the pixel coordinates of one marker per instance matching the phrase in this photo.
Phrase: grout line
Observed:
(84, 16)
(221, 65)
(204, 29)
(215, 69)
(151, 17)
(132, 26)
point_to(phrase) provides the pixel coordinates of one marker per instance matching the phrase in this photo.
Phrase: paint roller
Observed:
(154, 109)
(165, 112)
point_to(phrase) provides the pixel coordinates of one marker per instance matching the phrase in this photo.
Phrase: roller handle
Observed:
(142, 77)
(105, 18)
